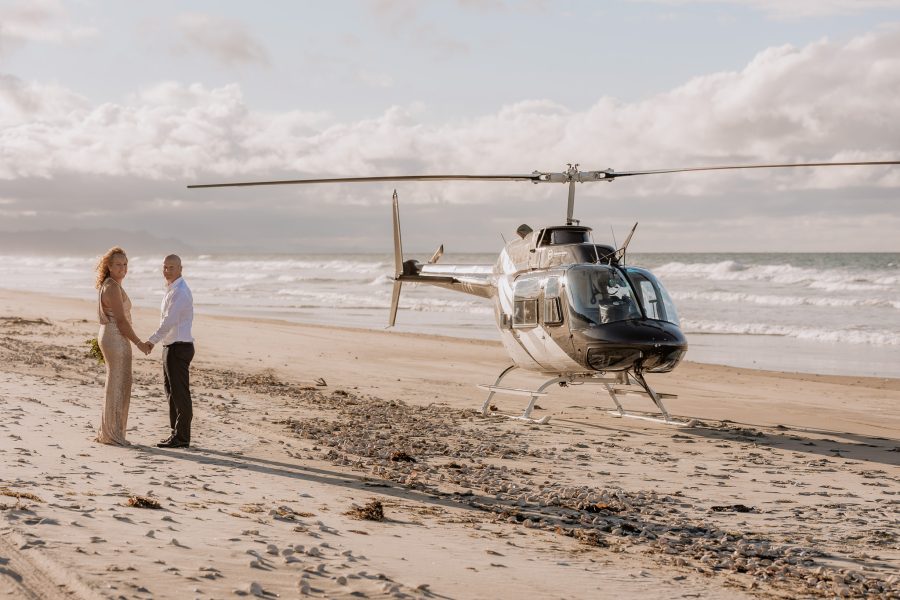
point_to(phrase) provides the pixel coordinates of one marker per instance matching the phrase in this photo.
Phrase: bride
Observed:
(114, 312)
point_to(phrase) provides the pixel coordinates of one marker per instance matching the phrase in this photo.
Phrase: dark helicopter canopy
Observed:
(557, 245)
(572, 242)
(564, 235)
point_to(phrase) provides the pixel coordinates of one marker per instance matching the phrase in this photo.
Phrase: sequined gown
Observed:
(117, 353)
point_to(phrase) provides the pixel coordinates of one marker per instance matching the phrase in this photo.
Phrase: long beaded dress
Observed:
(117, 353)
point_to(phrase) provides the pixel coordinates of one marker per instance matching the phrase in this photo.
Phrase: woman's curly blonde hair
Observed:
(103, 265)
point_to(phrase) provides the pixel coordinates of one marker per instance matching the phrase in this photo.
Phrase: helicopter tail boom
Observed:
(477, 280)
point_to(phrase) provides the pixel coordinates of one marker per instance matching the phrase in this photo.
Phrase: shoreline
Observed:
(808, 312)
(786, 485)
(149, 316)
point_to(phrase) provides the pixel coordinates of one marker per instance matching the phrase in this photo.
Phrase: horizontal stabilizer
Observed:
(427, 279)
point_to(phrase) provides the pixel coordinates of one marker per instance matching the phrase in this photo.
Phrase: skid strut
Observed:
(629, 382)
(496, 388)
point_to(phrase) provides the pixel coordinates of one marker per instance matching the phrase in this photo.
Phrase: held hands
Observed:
(145, 347)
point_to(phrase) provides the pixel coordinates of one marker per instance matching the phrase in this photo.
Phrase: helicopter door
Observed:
(523, 341)
(537, 317)
(653, 296)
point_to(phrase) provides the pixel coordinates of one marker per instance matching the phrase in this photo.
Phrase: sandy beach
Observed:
(343, 463)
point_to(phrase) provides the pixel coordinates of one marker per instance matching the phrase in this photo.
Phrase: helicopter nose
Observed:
(613, 359)
(653, 346)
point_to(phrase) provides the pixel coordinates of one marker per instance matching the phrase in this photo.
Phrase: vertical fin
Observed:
(398, 245)
(395, 303)
(398, 263)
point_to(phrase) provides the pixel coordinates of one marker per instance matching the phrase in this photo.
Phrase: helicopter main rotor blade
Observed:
(610, 174)
(570, 176)
(532, 177)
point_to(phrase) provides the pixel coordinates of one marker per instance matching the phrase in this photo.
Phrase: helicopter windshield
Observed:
(599, 294)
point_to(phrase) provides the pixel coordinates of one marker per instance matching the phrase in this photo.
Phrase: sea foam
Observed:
(877, 337)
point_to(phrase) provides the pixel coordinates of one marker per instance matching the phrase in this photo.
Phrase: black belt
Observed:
(178, 344)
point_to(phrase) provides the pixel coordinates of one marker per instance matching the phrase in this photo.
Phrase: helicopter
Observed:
(566, 308)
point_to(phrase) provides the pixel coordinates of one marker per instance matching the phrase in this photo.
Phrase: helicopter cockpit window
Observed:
(559, 237)
(525, 302)
(552, 306)
(568, 236)
(599, 294)
(653, 296)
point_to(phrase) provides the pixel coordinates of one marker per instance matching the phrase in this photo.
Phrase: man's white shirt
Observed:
(176, 315)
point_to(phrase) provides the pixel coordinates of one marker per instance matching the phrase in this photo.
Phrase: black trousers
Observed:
(177, 359)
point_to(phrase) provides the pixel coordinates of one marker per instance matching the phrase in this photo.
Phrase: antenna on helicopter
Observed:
(620, 253)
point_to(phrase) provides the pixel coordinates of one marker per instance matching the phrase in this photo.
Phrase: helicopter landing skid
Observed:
(534, 394)
(638, 386)
(643, 389)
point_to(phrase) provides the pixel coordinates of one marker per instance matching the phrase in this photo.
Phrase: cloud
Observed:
(24, 102)
(43, 21)
(224, 40)
(825, 101)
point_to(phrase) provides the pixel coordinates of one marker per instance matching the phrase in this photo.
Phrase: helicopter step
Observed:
(613, 385)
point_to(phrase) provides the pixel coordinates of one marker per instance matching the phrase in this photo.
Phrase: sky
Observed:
(108, 109)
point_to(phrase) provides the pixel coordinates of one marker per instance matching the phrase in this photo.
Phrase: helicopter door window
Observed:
(567, 236)
(525, 303)
(649, 299)
(526, 313)
(552, 305)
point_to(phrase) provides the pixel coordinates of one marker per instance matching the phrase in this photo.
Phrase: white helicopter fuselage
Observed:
(564, 306)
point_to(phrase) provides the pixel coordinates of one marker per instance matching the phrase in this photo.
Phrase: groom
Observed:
(177, 314)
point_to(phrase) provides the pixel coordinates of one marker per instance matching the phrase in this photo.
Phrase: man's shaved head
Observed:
(172, 267)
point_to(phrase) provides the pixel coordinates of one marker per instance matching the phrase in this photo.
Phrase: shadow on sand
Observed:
(806, 440)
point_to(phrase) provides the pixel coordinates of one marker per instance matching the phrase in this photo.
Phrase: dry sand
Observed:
(787, 486)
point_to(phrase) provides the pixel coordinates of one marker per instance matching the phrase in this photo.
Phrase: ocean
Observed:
(815, 313)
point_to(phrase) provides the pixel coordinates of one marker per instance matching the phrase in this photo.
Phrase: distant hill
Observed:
(87, 242)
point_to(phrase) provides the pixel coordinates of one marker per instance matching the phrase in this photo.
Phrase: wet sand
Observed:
(785, 486)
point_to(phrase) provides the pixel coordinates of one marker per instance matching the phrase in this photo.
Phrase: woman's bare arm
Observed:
(112, 297)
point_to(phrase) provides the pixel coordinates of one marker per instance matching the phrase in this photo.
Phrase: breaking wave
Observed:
(824, 279)
(773, 300)
(875, 338)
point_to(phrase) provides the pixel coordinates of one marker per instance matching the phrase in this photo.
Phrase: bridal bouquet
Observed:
(95, 350)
